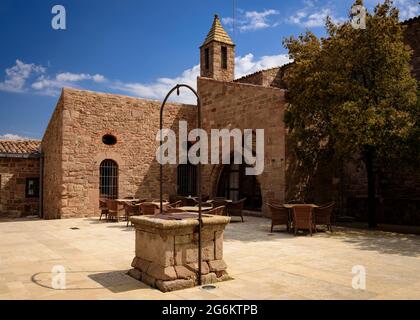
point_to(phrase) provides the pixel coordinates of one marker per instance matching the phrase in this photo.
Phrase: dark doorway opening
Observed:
(234, 184)
(187, 180)
(186, 177)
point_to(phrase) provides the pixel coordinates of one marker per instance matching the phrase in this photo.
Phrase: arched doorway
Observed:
(108, 179)
(235, 185)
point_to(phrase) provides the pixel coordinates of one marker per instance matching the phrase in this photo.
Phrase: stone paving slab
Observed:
(97, 255)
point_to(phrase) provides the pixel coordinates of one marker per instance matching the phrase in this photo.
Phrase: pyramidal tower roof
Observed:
(218, 33)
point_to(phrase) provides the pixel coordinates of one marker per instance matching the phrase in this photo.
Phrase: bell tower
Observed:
(217, 54)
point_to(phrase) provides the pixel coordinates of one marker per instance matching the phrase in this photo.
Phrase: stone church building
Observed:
(104, 145)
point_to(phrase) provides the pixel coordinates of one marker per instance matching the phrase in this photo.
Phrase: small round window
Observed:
(109, 139)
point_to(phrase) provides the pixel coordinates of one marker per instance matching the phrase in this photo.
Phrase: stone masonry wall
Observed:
(215, 70)
(268, 78)
(87, 117)
(254, 78)
(51, 148)
(244, 106)
(13, 174)
(397, 194)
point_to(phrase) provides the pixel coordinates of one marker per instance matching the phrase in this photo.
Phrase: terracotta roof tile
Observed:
(217, 33)
(20, 147)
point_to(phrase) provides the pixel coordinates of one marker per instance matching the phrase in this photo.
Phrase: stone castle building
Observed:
(104, 145)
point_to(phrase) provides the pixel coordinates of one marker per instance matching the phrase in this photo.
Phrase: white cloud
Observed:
(74, 77)
(29, 77)
(51, 85)
(257, 20)
(317, 19)
(17, 76)
(247, 64)
(47, 86)
(312, 16)
(98, 78)
(227, 21)
(252, 20)
(408, 8)
(11, 136)
(158, 89)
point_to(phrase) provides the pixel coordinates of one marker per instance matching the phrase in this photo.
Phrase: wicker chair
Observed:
(279, 216)
(190, 202)
(184, 200)
(234, 209)
(115, 210)
(302, 218)
(322, 215)
(140, 201)
(148, 208)
(295, 201)
(104, 209)
(204, 198)
(206, 205)
(174, 198)
(176, 204)
(219, 202)
(131, 210)
(218, 211)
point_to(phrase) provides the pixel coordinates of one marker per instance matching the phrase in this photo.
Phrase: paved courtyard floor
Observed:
(97, 255)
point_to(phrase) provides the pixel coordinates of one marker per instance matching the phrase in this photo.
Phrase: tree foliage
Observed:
(351, 93)
(353, 89)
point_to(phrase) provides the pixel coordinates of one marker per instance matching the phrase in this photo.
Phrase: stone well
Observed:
(167, 251)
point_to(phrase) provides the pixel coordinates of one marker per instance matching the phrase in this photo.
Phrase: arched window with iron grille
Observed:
(108, 179)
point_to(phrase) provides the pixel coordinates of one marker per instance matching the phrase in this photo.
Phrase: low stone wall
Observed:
(167, 252)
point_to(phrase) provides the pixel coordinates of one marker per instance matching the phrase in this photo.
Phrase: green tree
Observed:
(351, 93)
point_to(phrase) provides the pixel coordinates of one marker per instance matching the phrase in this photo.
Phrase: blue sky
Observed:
(136, 47)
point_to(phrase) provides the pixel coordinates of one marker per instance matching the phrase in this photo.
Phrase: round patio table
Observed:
(164, 203)
(291, 205)
(127, 200)
(195, 209)
(227, 200)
